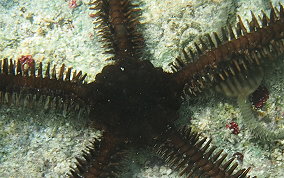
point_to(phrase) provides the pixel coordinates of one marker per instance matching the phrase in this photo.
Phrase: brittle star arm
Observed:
(189, 154)
(235, 51)
(29, 85)
(102, 159)
(116, 22)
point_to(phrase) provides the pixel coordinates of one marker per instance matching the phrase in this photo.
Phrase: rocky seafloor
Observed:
(35, 143)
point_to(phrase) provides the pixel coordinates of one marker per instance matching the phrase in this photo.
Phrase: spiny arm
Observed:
(116, 23)
(20, 83)
(102, 159)
(236, 51)
(185, 152)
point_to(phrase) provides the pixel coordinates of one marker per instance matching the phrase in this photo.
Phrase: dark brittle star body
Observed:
(140, 98)
(135, 103)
